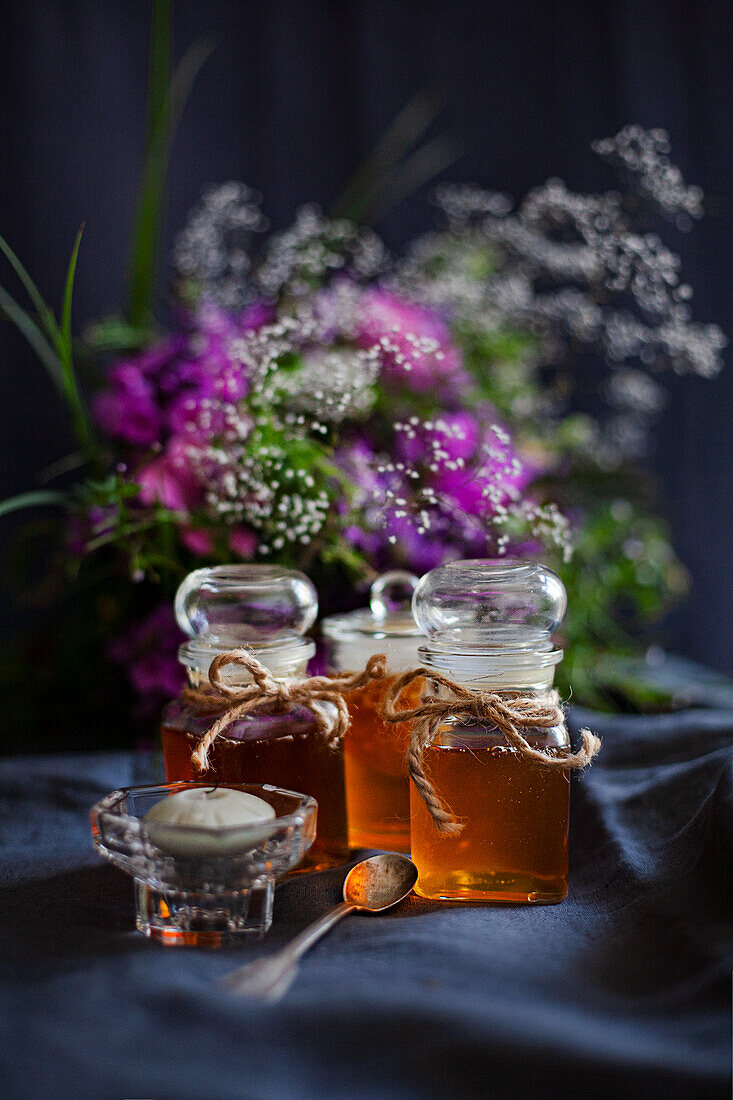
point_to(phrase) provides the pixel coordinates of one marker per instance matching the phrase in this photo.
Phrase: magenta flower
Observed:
(497, 475)
(152, 361)
(243, 542)
(170, 480)
(197, 541)
(455, 433)
(410, 330)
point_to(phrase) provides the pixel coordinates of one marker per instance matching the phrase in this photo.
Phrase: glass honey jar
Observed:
(377, 787)
(265, 609)
(488, 625)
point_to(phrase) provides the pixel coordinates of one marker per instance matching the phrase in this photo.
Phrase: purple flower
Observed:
(129, 410)
(256, 315)
(148, 651)
(195, 415)
(180, 385)
(421, 552)
(153, 360)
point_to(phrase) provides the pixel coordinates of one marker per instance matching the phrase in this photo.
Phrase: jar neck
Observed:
(288, 661)
(350, 654)
(530, 671)
(236, 676)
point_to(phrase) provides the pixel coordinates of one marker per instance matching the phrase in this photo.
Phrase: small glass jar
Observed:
(488, 624)
(377, 787)
(266, 609)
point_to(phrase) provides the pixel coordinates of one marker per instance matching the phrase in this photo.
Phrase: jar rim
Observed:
(357, 624)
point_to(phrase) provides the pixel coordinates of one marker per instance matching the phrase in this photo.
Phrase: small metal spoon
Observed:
(373, 885)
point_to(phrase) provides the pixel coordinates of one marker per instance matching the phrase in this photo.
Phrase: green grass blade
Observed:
(25, 324)
(187, 70)
(166, 99)
(33, 500)
(407, 128)
(65, 354)
(150, 209)
(57, 358)
(144, 244)
(44, 313)
(79, 415)
(159, 66)
(419, 168)
(60, 467)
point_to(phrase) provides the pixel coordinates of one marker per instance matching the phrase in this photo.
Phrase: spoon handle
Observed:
(271, 977)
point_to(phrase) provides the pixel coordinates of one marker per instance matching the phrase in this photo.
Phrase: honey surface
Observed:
(301, 763)
(377, 787)
(514, 844)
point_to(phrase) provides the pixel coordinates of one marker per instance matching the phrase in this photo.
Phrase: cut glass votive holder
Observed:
(199, 886)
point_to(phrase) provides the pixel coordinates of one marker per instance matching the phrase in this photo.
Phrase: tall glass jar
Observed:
(488, 625)
(266, 609)
(377, 787)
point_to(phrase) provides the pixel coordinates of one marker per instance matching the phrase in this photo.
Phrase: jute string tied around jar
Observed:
(314, 693)
(509, 712)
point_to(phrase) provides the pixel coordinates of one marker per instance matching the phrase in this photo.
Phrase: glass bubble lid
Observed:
(388, 613)
(265, 608)
(492, 605)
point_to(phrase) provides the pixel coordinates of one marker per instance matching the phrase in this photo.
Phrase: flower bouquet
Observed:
(318, 402)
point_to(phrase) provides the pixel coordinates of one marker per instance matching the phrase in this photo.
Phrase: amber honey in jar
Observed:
(377, 787)
(488, 625)
(266, 610)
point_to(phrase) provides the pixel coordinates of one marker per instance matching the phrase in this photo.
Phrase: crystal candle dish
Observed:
(201, 886)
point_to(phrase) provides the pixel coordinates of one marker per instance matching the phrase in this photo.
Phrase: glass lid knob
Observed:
(490, 604)
(392, 592)
(241, 604)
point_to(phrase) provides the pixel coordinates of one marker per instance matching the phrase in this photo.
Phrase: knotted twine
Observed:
(234, 701)
(509, 712)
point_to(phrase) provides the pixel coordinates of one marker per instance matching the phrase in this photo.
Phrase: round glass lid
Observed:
(238, 605)
(491, 604)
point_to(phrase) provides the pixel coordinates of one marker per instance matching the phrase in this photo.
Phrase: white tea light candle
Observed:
(200, 822)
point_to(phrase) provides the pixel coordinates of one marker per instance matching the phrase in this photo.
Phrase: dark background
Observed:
(295, 94)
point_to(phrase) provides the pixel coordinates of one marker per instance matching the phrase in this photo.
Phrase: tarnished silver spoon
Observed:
(373, 885)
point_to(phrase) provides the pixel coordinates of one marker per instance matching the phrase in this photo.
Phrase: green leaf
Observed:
(166, 99)
(33, 500)
(114, 334)
(45, 314)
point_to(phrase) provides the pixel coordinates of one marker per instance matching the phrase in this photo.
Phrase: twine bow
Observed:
(508, 712)
(314, 693)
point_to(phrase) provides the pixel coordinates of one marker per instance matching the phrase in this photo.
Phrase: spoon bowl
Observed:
(380, 882)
